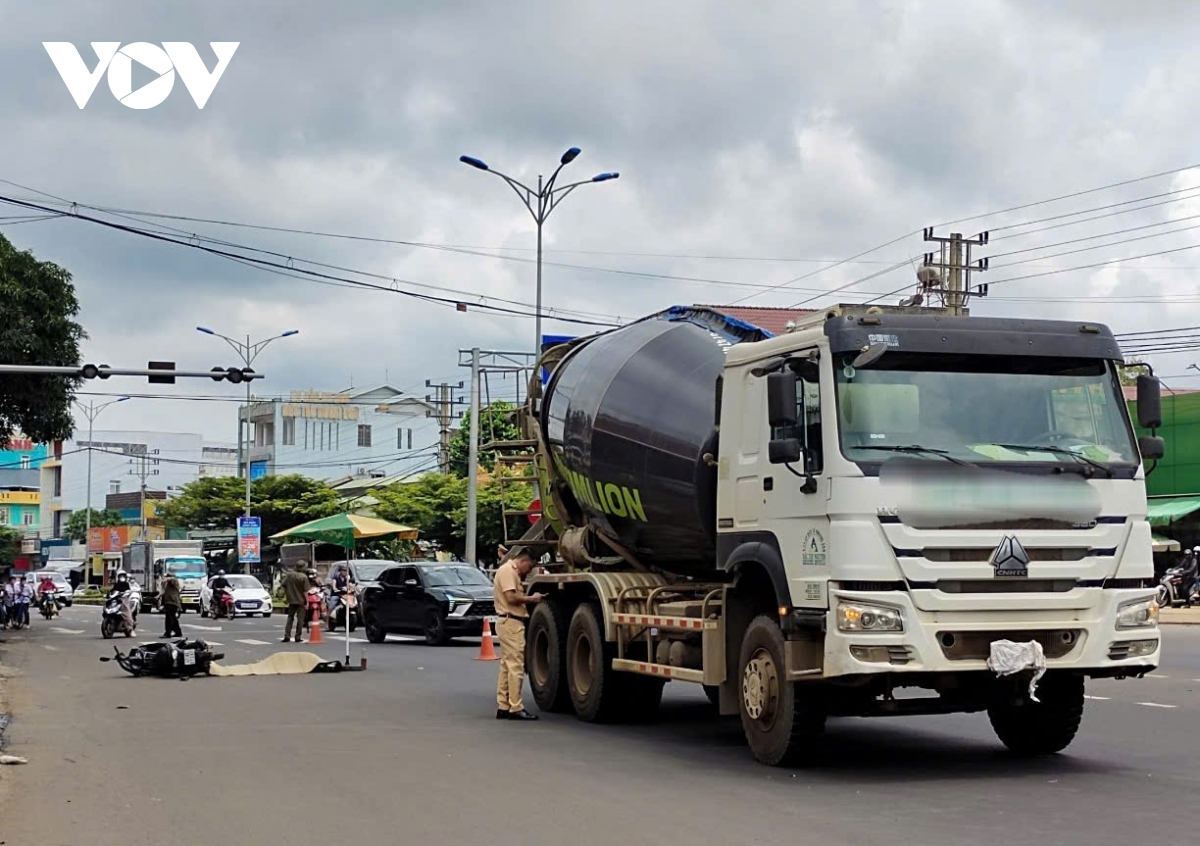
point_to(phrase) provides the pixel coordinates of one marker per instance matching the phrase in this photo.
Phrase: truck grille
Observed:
(977, 646)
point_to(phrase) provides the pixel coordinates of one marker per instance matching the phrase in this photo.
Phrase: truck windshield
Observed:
(179, 566)
(984, 410)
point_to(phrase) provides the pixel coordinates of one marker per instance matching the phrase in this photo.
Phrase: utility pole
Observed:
(957, 290)
(473, 463)
(445, 416)
(145, 466)
(90, 411)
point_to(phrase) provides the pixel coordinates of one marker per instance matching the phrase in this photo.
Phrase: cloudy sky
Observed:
(758, 143)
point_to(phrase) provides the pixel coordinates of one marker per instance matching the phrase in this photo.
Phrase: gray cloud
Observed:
(770, 131)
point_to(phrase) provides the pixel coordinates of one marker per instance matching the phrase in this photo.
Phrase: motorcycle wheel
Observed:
(106, 629)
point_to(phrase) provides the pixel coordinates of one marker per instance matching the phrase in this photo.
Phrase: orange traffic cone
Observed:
(314, 631)
(487, 651)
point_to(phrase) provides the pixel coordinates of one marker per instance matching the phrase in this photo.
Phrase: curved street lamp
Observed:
(541, 203)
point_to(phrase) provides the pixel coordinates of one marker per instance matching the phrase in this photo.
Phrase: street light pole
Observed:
(248, 352)
(540, 204)
(91, 411)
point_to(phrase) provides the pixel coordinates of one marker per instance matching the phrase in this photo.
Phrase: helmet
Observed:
(220, 572)
(121, 574)
(1196, 549)
(312, 573)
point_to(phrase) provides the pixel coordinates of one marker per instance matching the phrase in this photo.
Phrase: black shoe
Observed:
(501, 714)
(285, 640)
(297, 640)
(522, 715)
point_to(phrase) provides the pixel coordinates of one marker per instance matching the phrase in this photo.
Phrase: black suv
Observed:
(440, 601)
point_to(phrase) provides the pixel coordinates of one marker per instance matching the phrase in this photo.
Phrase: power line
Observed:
(459, 303)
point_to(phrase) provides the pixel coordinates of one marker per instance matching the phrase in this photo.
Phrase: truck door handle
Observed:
(769, 483)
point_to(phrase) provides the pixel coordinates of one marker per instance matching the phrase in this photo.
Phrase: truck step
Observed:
(659, 621)
(662, 671)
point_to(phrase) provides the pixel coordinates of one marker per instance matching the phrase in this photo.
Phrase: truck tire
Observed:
(546, 656)
(640, 696)
(1041, 728)
(781, 723)
(592, 683)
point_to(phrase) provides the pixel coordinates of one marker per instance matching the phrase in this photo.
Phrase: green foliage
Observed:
(77, 523)
(496, 423)
(437, 506)
(39, 304)
(10, 546)
(1129, 373)
(215, 503)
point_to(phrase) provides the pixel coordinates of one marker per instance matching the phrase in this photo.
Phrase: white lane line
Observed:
(1157, 676)
(1101, 698)
(1157, 705)
(202, 628)
(66, 631)
(251, 642)
(48, 646)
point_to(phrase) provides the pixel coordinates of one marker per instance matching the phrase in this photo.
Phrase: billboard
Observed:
(116, 538)
(258, 469)
(249, 540)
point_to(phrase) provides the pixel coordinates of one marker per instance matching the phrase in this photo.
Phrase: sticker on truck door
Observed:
(813, 553)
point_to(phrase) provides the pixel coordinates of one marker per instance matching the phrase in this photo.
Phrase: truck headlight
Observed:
(1138, 614)
(865, 617)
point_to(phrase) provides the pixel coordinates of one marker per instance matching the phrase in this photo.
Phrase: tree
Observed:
(10, 545)
(436, 505)
(77, 524)
(215, 503)
(496, 423)
(39, 304)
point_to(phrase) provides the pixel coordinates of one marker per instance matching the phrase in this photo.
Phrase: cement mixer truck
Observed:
(881, 511)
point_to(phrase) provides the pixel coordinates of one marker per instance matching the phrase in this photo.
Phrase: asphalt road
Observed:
(410, 752)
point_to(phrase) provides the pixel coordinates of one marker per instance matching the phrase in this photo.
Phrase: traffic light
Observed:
(92, 371)
(233, 374)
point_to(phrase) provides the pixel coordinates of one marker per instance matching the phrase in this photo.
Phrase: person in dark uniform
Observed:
(172, 604)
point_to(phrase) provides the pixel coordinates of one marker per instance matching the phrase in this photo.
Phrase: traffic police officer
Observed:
(513, 614)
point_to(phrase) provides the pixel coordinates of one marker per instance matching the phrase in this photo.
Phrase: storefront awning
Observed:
(1162, 511)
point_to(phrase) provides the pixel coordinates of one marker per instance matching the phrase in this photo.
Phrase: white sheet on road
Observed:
(279, 664)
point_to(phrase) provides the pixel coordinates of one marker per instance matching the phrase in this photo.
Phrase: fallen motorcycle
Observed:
(181, 658)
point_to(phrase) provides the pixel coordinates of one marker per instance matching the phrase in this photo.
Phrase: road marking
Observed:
(203, 628)
(1157, 705)
(1101, 698)
(66, 631)
(48, 646)
(252, 642)
(1157, 676)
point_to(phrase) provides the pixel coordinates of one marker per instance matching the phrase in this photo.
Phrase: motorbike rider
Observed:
(24, 598)
(1191, 574)
(219, 585)
(47, 588)
(124, 589)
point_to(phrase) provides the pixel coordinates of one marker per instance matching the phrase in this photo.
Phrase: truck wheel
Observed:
(1041, 728)
(640, 696)
(594, 690)
(781, 726)
(546, 657)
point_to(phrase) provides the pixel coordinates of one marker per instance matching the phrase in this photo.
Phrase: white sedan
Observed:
(249, 596)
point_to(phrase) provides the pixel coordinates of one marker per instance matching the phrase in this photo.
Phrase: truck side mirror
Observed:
(781, 399)
(784, 451)
(1152, 448)
(1149, 401)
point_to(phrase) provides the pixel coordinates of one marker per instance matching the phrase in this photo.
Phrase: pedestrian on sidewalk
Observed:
(511, 601)
(172, 604)
(295, 590)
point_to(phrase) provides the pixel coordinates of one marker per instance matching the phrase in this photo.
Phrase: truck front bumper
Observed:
(955, 638)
